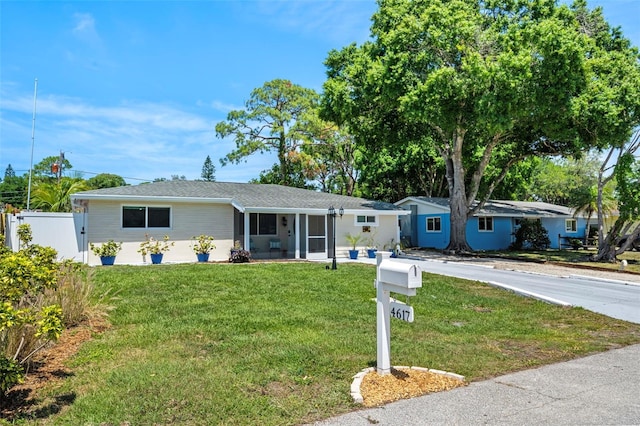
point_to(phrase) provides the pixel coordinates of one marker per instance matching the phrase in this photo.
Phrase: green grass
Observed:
(275, 344)
(574, 257)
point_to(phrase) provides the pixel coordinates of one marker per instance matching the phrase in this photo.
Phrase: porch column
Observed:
(297, 231)
(247, 232)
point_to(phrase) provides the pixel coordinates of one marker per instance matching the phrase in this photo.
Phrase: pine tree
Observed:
(9, 172)
(208, 170)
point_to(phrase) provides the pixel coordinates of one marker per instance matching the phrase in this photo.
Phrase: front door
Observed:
(316, 237)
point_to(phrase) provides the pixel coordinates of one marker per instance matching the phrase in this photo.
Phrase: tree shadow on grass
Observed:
(22, 403)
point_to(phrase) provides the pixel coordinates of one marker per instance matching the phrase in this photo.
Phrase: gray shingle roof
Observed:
(247, 195)
(509, 208)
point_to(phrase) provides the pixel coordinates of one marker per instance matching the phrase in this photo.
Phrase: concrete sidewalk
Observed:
(601, 389)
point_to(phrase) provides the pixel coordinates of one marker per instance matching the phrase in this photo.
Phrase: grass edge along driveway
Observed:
(278, 343)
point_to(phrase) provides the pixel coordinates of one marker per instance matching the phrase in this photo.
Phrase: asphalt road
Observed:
(614, 298)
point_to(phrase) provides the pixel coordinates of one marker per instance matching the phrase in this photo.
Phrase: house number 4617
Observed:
(401, 311)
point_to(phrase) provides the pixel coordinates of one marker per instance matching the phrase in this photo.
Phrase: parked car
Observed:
(634, 245)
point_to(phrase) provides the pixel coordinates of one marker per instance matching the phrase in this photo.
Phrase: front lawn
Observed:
(574, 257)
(278, 343)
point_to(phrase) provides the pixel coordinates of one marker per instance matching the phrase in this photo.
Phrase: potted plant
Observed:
(372, 246)
(353, 240)
(107, 251)
(393, 247)
(236, 247)
(155, 248)
(202, 247)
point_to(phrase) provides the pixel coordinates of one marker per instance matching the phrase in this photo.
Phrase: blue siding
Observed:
(437, 240)
(556, 226)
(498, 239)
(501, 237)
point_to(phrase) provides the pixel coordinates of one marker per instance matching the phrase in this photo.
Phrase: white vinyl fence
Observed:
(65, 232)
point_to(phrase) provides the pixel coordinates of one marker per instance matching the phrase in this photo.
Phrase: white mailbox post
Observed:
(397, 277)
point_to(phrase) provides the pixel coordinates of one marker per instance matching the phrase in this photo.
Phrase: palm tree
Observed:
(586, 202)
(56, 197)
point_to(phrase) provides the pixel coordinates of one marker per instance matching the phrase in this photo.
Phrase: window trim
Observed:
(257, 216)
(571, 229)
(484, 219)
(146, 216)
(434, 219)
(366, 221)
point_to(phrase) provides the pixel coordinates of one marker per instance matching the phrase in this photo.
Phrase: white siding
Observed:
(187, 220)
(386, 230)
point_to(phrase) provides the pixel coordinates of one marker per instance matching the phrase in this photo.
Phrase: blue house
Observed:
(491, 228)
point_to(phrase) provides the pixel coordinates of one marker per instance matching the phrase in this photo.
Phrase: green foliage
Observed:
(628, 177)
(56, 196)
(482, 84)
(24, 234)
(110, 248)
(275, 119)
(153, 246)
(13, 191)
(353, 239)
(9, 172)
(531, 235)
(25, 276)
(10, 374)
(203, 244)
(208, 170)
(105, 180)
(43, 168)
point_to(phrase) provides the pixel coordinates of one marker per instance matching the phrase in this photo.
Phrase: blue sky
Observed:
(135, 88)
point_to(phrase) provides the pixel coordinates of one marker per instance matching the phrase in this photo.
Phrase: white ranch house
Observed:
(273, 221)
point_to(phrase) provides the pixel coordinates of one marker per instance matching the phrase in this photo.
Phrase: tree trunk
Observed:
(607, 246)
(457, 198)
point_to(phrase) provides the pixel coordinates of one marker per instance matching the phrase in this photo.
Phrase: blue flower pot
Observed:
(371, 253)
(203, 257)
(107, 260)
(353, 254)
(156, 258)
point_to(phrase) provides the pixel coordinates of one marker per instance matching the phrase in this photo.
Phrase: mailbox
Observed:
(400, 274)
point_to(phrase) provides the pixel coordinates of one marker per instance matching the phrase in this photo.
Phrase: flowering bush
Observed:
(152, 246)
(240, 256)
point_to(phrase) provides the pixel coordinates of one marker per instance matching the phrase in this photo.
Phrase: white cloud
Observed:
(136, 140)
(339, 21)
(84, 23)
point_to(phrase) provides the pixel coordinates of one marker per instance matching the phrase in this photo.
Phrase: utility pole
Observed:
(33, 139)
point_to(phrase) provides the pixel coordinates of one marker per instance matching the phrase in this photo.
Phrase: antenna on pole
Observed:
(33, 138)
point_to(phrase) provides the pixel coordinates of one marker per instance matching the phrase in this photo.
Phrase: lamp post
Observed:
(332, 213)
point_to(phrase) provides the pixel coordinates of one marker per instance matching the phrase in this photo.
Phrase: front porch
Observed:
(283, 235)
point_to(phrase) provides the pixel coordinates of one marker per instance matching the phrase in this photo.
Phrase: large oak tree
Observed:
(487, 82)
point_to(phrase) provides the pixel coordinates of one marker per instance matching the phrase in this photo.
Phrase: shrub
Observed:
(26, 322)
(39, 297)
(240, 256)
(531, 235)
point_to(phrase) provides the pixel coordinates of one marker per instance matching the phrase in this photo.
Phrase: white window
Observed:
(366, 220)
(571, 225)
(146, 217)
(434, 224)
(485, 224)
